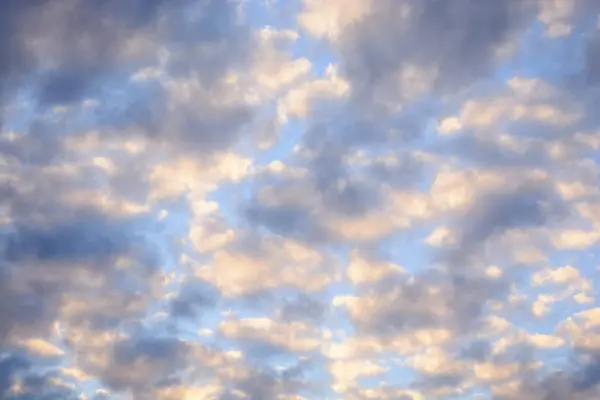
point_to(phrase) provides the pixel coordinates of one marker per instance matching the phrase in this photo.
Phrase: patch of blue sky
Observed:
(320, 384)
(316, 51)
(408, 249)
(260, 13)
(289, 136)
(551, 54)
(231, 198)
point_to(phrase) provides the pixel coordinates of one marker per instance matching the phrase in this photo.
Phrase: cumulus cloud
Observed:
(361, 199)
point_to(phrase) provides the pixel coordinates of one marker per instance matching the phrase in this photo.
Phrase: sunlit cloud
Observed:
(307, 199)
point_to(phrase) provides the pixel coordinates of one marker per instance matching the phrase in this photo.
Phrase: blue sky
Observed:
(303, 199)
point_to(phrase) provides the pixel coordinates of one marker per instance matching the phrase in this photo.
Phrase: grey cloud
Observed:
(341, 189)
(54, 253)
(589, 375)
(592, 58)
(39, 147)
(342, 193)
(457, 38)
(17, 366)
(269, 384)
(78, 34)
(65, 86)
(457, 303)
(578, 380)
(438, 381)
(560, 386)
(531, 204)
(470, 295)
(10, 364)
(478, 350)
(142, 362)
(462, 292)
(405, 174)
(78, 241)
(484, 152)
(303, 307)
(40, 387)
(284, 219)
(194, 298)
(67, 51)
(92, 243)
(90, 49)
(410, 307)
(85, 41)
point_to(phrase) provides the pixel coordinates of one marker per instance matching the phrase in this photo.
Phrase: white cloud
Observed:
(361, 270)
(441, 236)
(328, 19)
(274, 263)
(555, 14)
(42, 347)
(298, 100)
(449, 125)
(170, 180)
(546, 341)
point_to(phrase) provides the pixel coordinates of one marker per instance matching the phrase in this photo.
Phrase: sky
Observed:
(299, 199)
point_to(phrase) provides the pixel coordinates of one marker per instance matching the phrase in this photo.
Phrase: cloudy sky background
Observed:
(299, 199)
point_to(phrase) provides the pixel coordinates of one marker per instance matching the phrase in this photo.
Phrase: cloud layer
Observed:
(357, 199)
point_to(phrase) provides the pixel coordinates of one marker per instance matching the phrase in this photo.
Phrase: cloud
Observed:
(362, 199)
(462, 41)
(140, 363)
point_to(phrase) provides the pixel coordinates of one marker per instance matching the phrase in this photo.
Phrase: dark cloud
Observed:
(303, 308)
(459, 40)
(592, 59)
(56, 253)
(64, 52)
(63, 87)
(478, 350)
(75, 34)
(440, 381)
(267, 383)
(579, 382)
(409, 305)
(281, 219)
(529, 205)
(485, 153)
(193, 299)
(404, 172)
(142, 362)
(588, 377)
(340, 189)
(17, 371)
(10, 365)
(29, 253)
(80, 241)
